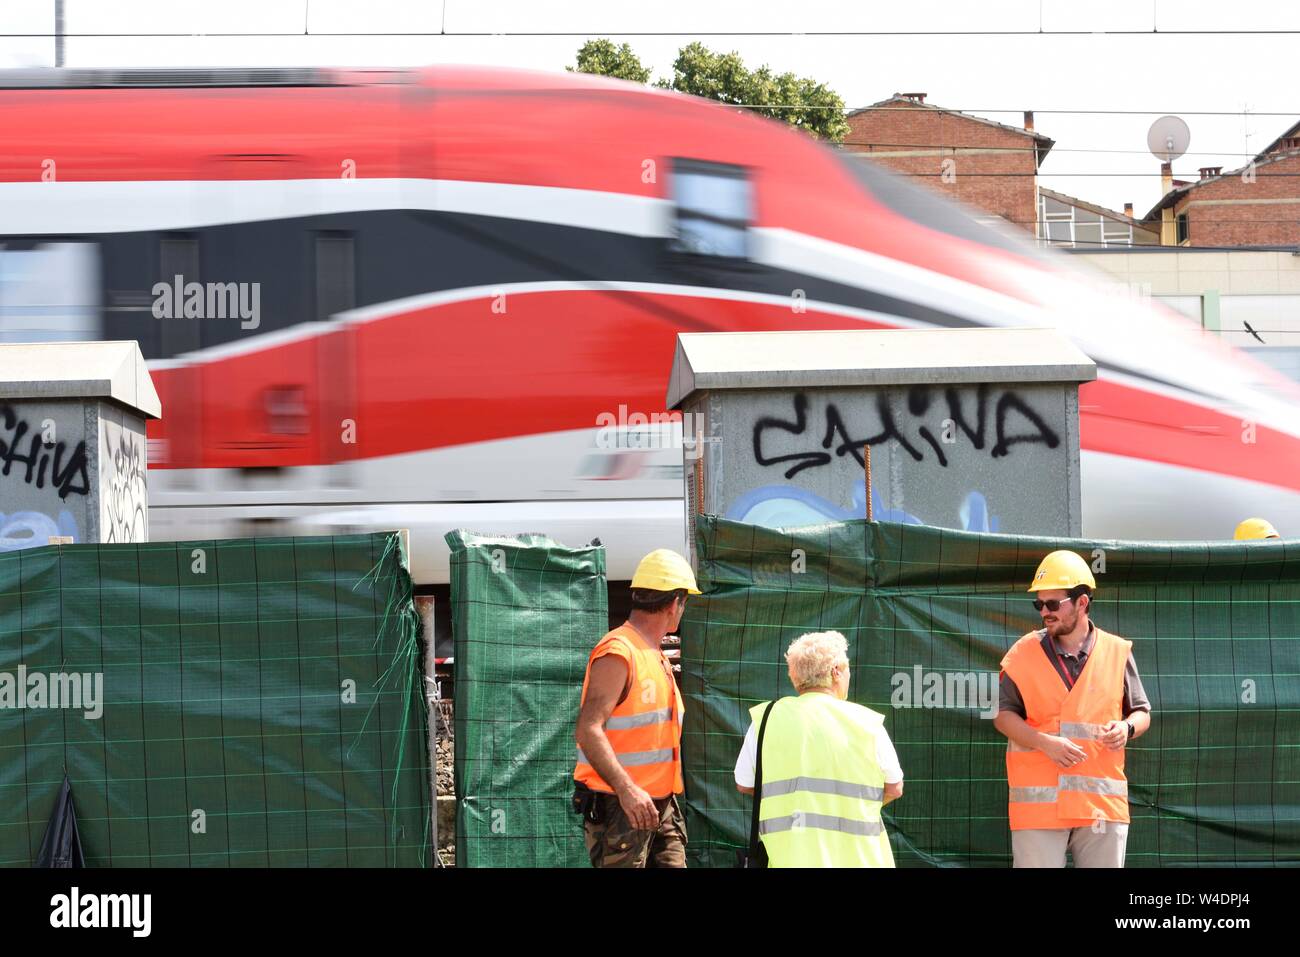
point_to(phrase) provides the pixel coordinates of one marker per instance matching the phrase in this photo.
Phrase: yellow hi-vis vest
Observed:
(822, 785)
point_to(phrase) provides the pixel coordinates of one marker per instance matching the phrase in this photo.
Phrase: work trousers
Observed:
(616, 843)
(1098, 845)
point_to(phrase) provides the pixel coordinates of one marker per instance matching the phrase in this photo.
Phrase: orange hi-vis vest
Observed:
(644, 729)
(1043, 795)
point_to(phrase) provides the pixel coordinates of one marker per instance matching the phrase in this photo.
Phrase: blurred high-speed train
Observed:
(420, 292)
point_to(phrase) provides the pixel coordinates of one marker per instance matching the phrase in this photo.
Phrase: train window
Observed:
(336, 276)
(49, 292)
(286, 410)
(178, 256)
(713, 209)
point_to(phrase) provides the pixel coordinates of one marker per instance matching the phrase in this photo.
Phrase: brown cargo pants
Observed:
(615, 843)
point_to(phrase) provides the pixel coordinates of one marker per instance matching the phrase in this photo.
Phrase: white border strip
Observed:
(63, 208)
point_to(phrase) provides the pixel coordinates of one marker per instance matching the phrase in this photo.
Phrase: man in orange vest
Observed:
(1070, 702)
(629, 769)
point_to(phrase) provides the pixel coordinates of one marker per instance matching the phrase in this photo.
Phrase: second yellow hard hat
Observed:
(1062, 569)
(1253, 528)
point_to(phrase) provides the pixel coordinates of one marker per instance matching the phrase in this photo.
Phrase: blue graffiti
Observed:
(783, 506)
(32, 529)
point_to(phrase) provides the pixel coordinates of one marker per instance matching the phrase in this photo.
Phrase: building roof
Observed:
(1293, 130)
(1042, 143)
(708, 361)
(1093, 207)
(1263, 159)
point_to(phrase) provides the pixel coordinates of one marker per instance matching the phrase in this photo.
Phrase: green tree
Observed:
(800, 101)
(603, 58)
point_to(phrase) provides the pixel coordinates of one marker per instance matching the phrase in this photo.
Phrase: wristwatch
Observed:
(1131, 729)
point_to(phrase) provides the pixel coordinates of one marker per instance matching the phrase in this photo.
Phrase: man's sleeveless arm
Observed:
(607, 681)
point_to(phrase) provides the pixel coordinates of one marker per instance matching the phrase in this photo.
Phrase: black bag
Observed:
(62, 844)
(756, 855)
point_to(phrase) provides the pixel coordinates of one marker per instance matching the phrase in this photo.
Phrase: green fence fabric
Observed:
(526, 612)
(1216, 636)
(227, 735)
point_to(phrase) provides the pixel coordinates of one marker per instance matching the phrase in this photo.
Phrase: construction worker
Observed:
(1255, 528)
(1070, 702)
(828, 766)
(629, 770)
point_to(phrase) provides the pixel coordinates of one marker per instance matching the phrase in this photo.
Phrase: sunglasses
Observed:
(1051, 604)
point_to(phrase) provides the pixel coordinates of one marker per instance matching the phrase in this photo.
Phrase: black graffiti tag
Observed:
(808, 459)
(920, 400)
(66, 468)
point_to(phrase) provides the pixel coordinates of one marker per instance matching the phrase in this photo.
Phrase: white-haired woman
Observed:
(828, 767)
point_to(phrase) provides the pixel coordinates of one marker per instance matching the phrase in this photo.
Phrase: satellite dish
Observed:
(1168, 138)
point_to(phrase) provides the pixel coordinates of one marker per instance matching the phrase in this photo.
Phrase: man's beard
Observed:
(1061, 626)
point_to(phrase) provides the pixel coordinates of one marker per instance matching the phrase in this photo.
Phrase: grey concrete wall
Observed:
(70, 468)
(123, 490)
(986, 458)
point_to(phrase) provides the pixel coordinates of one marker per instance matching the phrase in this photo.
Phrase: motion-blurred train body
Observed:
(410, 299)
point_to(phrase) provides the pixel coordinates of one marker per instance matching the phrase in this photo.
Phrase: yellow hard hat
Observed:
(665, 570)
(1062, 569)
(1253, 528)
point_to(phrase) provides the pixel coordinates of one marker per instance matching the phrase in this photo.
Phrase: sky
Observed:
(1095, 91)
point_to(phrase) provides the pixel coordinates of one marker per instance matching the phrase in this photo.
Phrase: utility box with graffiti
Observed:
(72, 443)
(968, 428)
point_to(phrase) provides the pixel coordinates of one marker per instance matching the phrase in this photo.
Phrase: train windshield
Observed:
(49, 291)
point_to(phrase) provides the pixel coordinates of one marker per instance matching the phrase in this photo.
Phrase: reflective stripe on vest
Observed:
(820, 800)
(826, 822)
(823, 786)
(1040, 794)
(1079, 782)
(1081, 730)
(619, 722)
(635, 759)
(1069, 782)
(642, 729)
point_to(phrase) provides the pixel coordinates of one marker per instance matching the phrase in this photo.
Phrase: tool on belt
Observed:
(587, 803)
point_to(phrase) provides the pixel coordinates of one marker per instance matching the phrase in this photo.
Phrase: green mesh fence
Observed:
(259, 703)
(1215, 631)
(526, 612)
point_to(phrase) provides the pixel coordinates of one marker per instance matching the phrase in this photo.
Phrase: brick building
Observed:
(990, 166)
(1256, 205)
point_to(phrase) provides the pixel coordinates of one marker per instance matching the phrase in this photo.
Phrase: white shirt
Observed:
(885, 755)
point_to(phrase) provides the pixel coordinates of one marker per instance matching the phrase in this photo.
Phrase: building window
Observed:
(1060, 231)
(336, 274)
(1065, 225)
(713, 208)
(1087, 235)
(1182, 228)
(1117, 233)
(1058, 222)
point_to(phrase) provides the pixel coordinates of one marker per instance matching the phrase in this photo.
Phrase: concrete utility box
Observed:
(72, 443)
(968, 428)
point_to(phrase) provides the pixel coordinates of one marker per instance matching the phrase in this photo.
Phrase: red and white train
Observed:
(420, 291)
